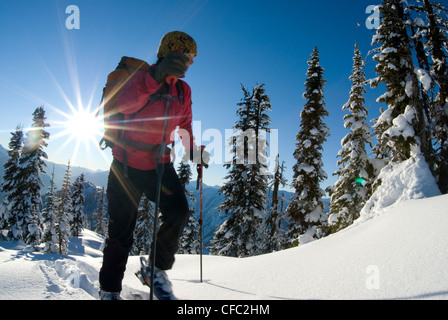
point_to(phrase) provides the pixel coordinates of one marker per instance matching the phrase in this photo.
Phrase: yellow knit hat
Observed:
(176, 41)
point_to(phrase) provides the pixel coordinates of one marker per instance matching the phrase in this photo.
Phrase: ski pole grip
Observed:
(203, 164)
(171, 80)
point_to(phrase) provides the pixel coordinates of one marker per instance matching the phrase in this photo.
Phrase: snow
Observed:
(401, 182)
(385, 116)
(389, 50)
(424, 78)
(408, 88)
(305, 167)
(28, 275)
(397, 249)
(402, 124)
(392, 67)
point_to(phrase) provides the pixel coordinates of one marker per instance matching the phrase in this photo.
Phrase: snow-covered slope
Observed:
(25, 274)
(398, 249)
(400, 254)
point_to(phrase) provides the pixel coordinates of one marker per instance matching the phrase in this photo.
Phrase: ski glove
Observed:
(200, 156)
(173, 64)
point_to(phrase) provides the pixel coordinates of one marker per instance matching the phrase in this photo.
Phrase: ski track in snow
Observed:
(42, 276)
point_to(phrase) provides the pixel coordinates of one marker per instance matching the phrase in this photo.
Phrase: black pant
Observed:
(123, 194)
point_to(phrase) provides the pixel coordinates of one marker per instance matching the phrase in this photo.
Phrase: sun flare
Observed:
(83, 126)
(79, 133)
(80, 127)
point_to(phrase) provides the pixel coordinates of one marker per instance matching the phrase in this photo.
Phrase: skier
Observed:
(133, 170)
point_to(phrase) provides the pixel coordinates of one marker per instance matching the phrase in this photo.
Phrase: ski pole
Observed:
(200, 172)
(200, 219)
(171, 80)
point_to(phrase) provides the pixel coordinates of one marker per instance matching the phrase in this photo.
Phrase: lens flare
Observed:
(83, 126)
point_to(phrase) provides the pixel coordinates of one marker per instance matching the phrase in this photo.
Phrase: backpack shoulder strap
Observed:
(161, 95)
(180, 92)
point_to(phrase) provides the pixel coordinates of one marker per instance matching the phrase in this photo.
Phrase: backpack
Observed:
(114, 124)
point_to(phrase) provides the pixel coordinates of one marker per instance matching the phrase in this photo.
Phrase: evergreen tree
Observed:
(10, 180)
(49, 235)
(402, 129)
(276, 217)
(244, 233)
(100, 214)
(350, 192)
(63, 210)
(77, 200)
(305, 212)
(189, 242)
(143, 232)
(437, 44)
(27, 202)
(184, 173)
(430, 35)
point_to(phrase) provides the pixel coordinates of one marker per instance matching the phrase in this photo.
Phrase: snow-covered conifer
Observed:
(144, 228)
(77, 200)
(350, 192)
(49, 235)
(244, 233)
(401, 129)
(27, 203)
(305, 212)
(189, 242)
(275, 221)
(9, 178)
(63, 210)
(99, 215)
(431, 25)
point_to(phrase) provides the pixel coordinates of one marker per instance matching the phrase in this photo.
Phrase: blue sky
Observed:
(239, 42)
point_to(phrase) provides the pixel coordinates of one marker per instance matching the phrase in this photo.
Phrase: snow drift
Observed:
(410, 179)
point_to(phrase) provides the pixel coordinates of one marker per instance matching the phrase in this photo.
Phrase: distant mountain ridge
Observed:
(96, 177)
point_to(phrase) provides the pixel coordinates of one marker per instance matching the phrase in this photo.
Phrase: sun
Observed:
(83, 126)
(79, 133)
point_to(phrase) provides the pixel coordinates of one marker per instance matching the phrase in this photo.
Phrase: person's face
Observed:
(190, 56)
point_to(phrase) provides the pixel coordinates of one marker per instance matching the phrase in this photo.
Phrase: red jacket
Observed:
(147, 125)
